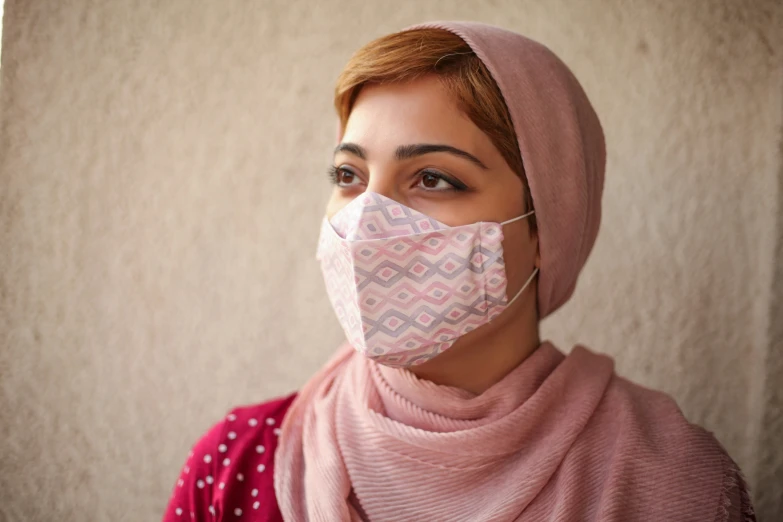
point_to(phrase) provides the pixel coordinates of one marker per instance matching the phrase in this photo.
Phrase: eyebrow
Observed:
(404, 152)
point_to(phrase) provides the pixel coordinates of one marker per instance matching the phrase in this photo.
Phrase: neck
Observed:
(483, 357)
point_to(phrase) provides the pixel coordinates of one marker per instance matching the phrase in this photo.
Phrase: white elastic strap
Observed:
(523, 286)
(523, 216)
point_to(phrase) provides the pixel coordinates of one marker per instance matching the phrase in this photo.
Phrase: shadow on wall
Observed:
(769, 501)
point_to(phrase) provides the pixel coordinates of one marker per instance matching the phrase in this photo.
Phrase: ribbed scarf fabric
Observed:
(559, 438)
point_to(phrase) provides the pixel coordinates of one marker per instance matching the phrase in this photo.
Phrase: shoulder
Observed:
(247, 422)
(654, 420)
(229, 469)
(653, 446)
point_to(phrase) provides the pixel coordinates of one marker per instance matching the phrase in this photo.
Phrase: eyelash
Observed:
(456, 185)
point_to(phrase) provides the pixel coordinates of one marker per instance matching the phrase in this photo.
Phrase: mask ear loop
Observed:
(523, 216)
(529, 279)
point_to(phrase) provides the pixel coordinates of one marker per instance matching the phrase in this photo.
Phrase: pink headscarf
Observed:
(562, 146)
(560, 437)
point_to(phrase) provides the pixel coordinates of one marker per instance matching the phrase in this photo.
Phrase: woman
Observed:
(467, 188)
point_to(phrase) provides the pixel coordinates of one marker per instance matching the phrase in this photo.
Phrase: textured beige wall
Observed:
(162, 174)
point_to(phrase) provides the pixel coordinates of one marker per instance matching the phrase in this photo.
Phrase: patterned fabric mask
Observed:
(404, 286)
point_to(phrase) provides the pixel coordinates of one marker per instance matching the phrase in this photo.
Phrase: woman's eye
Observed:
(437, 182)
(343, 177)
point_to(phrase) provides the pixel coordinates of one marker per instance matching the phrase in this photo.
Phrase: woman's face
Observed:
(411, 143)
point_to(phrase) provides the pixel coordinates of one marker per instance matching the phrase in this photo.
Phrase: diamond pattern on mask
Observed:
(405, 286)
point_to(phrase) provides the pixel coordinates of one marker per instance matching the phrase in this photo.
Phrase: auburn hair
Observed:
(409, 55)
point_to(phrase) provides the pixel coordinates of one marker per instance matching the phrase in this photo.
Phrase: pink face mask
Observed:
(404, 286)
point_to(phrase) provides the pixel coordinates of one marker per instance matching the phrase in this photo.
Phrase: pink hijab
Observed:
(560, 437)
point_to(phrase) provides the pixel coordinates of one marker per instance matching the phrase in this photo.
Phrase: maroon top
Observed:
(229, 474)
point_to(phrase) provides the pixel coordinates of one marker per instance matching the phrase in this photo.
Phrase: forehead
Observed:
(421, 111)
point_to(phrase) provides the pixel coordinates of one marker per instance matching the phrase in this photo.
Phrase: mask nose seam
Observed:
(484, 272)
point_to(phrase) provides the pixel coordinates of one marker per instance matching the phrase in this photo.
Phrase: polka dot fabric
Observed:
(228, 474)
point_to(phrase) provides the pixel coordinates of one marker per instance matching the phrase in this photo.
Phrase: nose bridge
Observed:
(382, 181)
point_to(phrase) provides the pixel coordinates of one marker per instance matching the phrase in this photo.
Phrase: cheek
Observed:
(336, 202)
